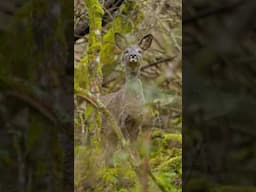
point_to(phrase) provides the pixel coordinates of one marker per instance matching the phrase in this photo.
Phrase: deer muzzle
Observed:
(133, 59)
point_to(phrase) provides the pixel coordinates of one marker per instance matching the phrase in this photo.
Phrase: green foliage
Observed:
(166, 158)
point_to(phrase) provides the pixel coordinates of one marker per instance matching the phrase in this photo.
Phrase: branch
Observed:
(85, 95)
(160, 185)
(36, 104)
(20, 90)
(163, 60)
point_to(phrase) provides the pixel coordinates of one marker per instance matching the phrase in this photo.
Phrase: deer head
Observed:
(132, 55)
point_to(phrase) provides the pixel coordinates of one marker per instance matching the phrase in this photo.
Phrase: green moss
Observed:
(166, 143)
(116, 179)
(95, 13)
(166, 161)
(173, 140)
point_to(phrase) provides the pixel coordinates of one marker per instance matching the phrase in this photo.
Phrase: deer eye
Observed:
(126, 51)
(139, 51)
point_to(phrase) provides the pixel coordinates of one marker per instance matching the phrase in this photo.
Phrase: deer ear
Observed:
(120, 41)
(145, 42)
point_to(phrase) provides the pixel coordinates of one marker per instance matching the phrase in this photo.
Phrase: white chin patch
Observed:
(133, 60)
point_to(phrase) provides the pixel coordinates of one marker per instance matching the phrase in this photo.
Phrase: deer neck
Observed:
(132, 79)
(133, 96)
(133, 85)
(132, 76)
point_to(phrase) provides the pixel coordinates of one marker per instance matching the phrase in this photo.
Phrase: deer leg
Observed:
(110, 146)
(132, 128)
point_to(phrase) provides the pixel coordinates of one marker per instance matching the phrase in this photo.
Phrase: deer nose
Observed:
(133, 56)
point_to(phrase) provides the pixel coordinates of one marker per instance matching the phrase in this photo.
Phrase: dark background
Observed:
(36, 95)
(219, 96)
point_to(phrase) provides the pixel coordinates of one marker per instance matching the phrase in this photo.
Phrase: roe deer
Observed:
(127, 104)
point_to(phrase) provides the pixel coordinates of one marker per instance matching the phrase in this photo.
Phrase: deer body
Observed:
(127, 104)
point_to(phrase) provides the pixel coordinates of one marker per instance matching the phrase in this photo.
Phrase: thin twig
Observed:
(168, 59)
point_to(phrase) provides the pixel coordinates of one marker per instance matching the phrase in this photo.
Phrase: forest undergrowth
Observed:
(98, 72)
